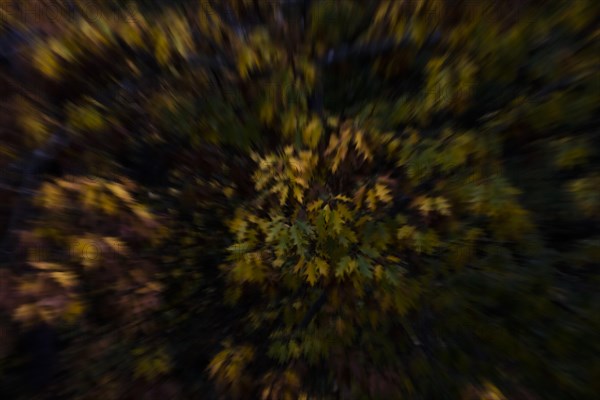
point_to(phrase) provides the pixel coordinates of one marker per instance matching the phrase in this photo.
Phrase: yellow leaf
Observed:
(298, 267)
(73, 311)
(284, 194)
(301, 181)
(312, 133)
(66, 279)
(119, 191)
(343, 198)
(361, 147)
(315, 205)
(326, 213)
(372, 199)
(86, 250)
(333, 145)
(142, 213)
(352, 266)
(298, 194)
(311, 273)
(424, 204)
(278, 262)
(322, 267)
(333, 122)
(383, 193)
(46, 265)
(358, 197)
(344, 212)
(442, 205)
(116, 244)
(26, 313)
(405, 232)
(47, 62)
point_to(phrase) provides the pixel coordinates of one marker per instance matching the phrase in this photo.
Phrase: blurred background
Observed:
(299, 199)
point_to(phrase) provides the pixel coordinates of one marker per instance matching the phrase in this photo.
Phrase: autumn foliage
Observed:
(309, 199)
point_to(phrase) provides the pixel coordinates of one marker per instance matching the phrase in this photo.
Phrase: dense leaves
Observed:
(300, 199)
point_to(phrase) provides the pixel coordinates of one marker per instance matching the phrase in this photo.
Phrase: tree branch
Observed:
(313, 310)
(373, 49)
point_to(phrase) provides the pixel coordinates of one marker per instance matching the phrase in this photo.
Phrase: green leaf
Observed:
(343, 267)
(364, 267)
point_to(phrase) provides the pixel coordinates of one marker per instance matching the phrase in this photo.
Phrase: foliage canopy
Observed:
(300, 199)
